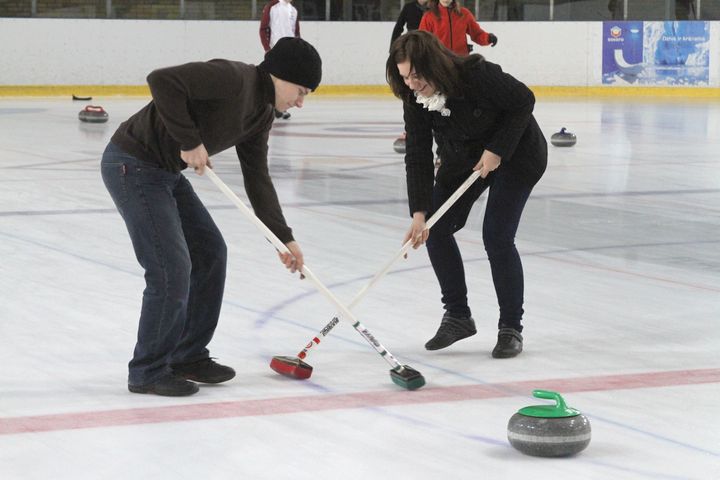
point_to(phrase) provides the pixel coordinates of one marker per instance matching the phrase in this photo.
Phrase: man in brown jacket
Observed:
(197, 110)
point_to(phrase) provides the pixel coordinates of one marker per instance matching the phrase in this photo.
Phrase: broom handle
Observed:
(359, 296)
(269, 235)
(432, 221)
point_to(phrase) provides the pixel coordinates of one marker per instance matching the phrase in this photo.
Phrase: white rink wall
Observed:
(52, 52)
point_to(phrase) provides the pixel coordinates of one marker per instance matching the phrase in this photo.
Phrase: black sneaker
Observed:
(451, 330)
(167, 386)
(204, 371)
(509, 343)
(278, 113)
(285, 115)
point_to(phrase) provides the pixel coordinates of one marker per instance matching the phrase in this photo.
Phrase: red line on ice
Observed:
(322, 402)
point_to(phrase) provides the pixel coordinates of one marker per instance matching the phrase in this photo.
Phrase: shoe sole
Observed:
(506, 355)
(143, 389)
(208, 380)
(432, 348)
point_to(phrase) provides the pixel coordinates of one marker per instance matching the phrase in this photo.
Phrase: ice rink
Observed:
(621, 247)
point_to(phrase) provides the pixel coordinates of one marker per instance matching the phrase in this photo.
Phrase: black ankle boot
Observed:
(451, 330)
(204, 371)
(509, 343)
(170, 385)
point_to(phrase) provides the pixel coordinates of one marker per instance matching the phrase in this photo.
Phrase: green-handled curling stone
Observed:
(549, 430)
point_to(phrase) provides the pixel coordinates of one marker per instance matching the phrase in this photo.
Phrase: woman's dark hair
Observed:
(432, 62)
(434, 7)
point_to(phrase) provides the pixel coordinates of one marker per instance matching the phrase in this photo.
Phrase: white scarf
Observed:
(434, 103)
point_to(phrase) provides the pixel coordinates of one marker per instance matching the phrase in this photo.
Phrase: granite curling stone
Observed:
(563, 138)
(549, 430)
(399, 145)
(93, 114)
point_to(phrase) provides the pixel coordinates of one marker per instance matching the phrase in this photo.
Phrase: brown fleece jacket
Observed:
(221, 104)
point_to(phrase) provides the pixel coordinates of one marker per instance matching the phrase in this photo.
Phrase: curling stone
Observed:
(549, 430)
(563, 138)
(93, 114)
(399, 145)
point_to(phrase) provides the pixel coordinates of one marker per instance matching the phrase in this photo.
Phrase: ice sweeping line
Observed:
(39, 213)
(81, 211)
(281, 126)
(351, 203)
(134, 273)
(546, 255)
(385, 136)
(652, 435)
(634, 471)
(440, 427)
(549, 257)
(271, 313)
(628, 193)
(381, 162)
(315, 403)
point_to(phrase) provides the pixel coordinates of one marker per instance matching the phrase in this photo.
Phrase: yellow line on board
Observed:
(637, 92)
(375, 90)
(69, 90)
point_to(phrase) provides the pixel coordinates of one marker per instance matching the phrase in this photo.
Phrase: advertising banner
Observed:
(656, 53)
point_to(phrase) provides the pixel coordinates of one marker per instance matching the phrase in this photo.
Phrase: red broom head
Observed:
(291, 367)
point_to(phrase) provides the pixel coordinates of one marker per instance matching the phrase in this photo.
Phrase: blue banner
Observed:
(656, 53)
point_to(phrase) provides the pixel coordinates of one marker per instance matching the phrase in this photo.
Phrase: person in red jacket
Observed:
(451, 23)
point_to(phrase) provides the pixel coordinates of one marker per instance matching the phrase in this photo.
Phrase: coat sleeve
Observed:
(419, 165)
(477, 34)
(513, 100)
(259, 187)
(265, 27)
(399, 25)
(173, 88)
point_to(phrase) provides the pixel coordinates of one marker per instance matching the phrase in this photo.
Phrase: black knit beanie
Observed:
(294, 60)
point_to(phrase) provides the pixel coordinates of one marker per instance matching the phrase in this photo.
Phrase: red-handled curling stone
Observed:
(93, 114)
(549, 430)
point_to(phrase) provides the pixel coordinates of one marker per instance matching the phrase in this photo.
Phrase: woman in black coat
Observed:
(481, 119)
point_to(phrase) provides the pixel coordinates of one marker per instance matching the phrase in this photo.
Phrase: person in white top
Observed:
(279, 19)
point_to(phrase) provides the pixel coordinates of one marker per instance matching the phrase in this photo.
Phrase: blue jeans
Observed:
(184, 257)
(506, 200)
